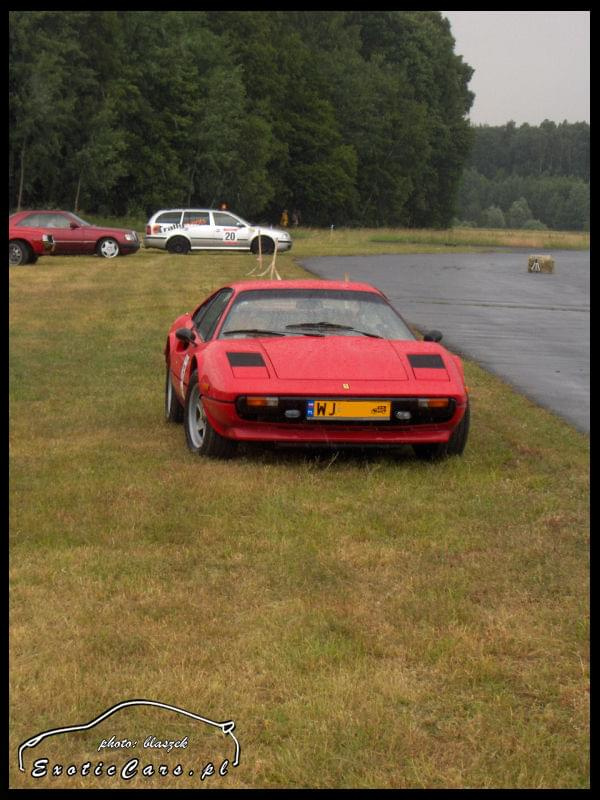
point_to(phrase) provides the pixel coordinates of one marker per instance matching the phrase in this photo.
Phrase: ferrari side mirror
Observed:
(433, 336)
(185, 335)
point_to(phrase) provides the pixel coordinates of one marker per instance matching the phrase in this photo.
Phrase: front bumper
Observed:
(225, 419)
(125, 248)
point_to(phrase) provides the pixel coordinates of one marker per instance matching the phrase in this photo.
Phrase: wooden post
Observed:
(259, 259)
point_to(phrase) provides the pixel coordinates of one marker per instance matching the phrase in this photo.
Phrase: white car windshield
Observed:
(313, 312)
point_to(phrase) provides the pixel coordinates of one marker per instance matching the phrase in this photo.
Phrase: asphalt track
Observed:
(530, 329)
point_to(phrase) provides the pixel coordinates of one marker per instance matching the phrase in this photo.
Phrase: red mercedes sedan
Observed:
(311, 362)
(71, 235)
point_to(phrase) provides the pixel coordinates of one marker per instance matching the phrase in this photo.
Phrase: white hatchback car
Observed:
(180, 230)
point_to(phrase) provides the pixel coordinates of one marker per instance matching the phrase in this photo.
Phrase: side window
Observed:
(55, 221)
(196, 218)
(226, 219)
(30, 221)
(169, 218)
(208, 315)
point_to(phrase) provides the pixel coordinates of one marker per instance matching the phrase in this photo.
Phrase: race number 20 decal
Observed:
(230, 236)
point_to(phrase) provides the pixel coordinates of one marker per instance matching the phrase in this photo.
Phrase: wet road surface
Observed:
(531, 329)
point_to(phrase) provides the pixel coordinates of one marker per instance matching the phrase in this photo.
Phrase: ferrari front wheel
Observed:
(460, 434)
(200, 435)
(453, 447)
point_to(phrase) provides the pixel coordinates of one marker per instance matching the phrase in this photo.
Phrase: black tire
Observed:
(108, 248)
(19, 253)
(173, 408)
(200, 436)
(178, 245)
(453, 447)
(459, 437)
(267, 245)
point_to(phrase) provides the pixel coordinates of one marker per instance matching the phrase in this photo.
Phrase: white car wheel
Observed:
(108, 248)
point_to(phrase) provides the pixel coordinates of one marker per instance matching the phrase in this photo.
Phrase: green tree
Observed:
(40, 103)
(492, 217)
(353, 117)
(418, 47)
(518, 213)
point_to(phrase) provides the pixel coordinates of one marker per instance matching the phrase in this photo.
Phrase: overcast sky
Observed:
(529, 65)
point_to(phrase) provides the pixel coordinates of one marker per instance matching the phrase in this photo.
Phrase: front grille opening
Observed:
(292, 411)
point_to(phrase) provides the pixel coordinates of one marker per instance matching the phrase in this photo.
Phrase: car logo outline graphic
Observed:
(227, 727)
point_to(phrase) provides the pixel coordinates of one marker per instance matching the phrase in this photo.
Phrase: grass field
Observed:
(366, 620)
(310, 242)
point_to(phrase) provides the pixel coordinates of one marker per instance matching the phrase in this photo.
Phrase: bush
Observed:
(492, 217)
(534, 225)
(462, 223)
(518, 213)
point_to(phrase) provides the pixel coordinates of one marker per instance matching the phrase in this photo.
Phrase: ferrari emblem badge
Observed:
(346, 385)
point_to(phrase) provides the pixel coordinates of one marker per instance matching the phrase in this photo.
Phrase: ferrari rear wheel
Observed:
(173, 409)
(200, 436)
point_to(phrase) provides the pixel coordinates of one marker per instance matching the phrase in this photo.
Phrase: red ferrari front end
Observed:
(342, 390)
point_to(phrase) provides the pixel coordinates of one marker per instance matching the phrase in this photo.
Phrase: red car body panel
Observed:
(304, 367)
(34, 237)
(81, 240)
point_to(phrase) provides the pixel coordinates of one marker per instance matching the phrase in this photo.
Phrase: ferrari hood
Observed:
(334, 358)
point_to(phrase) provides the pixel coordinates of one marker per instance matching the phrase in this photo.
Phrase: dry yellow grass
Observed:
(356, 241)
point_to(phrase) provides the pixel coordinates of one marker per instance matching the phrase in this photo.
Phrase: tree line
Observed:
(528, 176)
(348, 117)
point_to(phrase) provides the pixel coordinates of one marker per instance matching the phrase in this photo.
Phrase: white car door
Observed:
(198, 227)
(230, 232)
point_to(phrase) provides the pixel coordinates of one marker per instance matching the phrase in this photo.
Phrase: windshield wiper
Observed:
(332, 326)
(253, 331)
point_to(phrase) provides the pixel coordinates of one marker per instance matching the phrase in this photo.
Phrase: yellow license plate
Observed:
(348, 409)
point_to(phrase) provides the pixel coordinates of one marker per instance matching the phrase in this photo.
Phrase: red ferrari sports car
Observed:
(70, 234)
(311, 362)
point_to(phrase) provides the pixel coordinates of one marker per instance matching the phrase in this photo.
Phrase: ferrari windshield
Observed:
(312, 312)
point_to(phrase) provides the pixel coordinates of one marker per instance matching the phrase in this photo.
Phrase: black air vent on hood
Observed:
(426, 361)
(245, 359)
